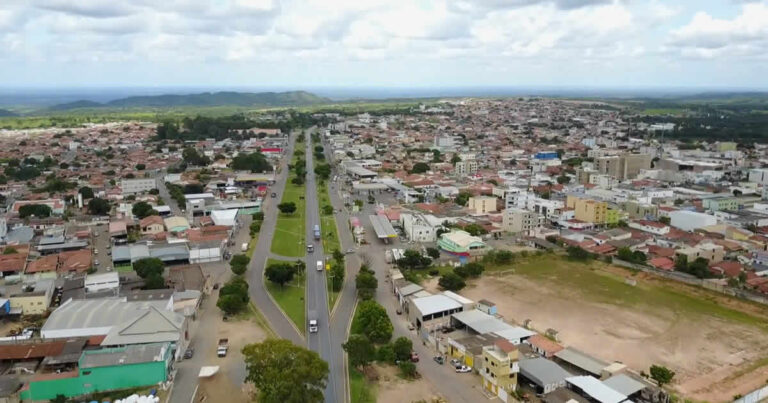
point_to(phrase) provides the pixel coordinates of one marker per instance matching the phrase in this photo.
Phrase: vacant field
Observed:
(289, 297)
(289, 236)
(716, 345)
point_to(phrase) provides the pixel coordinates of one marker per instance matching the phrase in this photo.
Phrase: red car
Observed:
(414, 357)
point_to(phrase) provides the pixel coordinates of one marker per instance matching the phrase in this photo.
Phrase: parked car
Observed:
(188, 353)
(414, 357)
(464, 369)
(96, 233)
(96, 263)
(399, 311)
(411, 326)
(456, 363)
(274, 194)
(95, 251)
(439, 359)
(350, 251)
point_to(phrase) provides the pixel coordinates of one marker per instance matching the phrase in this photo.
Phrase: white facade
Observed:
(691, 220)
(417, 228)
(759, 176)
(101, 282)
(131, 186)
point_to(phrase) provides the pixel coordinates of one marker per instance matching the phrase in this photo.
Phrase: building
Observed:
(418, 228)
(637, 210)
(712, 252)
(433, 312)
(462, 244)
(594, 390)
(133, 186)
(482, 205)
(544, 374)
(759, 176)
(588, 210)
(34, 301)
(577, 362)
(102, 282)
(469, 350)
(152, 225)
(176, 224)
(624, 166)
(500, 369)
(653, 227)
(105, 370)
(544, 346)
(464, 168)
(57, 205)
(519, 221)
(720, 203)
(690, 220)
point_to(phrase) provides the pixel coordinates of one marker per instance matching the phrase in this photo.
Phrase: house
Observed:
(418, 228)
(152, 225)
(710, 251)
(105, 370)
(176, 224)
(544, 374)
(469, 350)
(577, 362)
(462, 243)
(500, 368)
(653, 227)
(544, 346)
(34, 301)
(662, 263)
(594, 390)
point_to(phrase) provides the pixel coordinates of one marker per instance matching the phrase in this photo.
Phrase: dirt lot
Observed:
(392, 388)
(717, 351)
(223, 387)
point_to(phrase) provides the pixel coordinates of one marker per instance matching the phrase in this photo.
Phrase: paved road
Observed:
(259, 295)
(317, 291)
(163, 193)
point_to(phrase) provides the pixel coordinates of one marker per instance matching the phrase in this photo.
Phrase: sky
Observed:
(380, 43)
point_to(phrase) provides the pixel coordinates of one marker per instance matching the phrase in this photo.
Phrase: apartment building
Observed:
(464, 168)
(588, 210)
(418, 228)
(133, 186)
(482, 205)
(519, 221)
(624, 166)
(500, 368)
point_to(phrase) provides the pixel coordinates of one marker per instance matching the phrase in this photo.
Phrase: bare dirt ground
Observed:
(222, 387)
(392, 388)
(714, 358)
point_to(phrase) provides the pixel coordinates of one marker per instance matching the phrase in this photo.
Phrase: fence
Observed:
(692, 280)
(754, 396)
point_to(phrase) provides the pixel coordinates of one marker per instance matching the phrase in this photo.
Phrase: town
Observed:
(469, 249)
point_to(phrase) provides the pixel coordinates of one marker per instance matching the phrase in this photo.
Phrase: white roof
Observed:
(102, 278)
(481, 322)
(462, 238)
(434, 304)
(195, 196)
(458, 298)
(515, 333)
(596, 389)
(224, 217)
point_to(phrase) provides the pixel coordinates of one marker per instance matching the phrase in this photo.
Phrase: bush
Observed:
(402, 348)
(451, 282)
(434, 272)
(407, 369)
(385, 354)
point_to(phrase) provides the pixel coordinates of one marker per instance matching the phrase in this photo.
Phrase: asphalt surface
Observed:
(163, 193)
(317, 291)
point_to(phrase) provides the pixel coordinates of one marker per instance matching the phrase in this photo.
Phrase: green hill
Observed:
(75, 105)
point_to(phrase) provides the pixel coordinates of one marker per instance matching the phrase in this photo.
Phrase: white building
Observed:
(133, 186)
(418, 228)
(464, 168)
(101, 282)
(690, 220)
(519, 221)
(759, 176)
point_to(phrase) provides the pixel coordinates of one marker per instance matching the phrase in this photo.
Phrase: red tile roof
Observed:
(662, 263)
(548, 346)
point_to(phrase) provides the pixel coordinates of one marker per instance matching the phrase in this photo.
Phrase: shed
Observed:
(545, 374)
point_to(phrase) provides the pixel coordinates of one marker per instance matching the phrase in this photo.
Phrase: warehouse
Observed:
(543, 373)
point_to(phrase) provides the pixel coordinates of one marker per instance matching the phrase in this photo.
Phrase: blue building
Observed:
(546, 155)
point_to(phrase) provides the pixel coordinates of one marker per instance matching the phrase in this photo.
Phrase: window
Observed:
(86, 372)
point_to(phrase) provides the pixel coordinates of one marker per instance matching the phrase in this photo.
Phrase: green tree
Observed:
(240, 260)
(192, 157)
(97, 206)
(323, 171)
(661, 374)
(280, 273)
(143, 210)
(327, 209)
(230, 304)
(154, 282)
(475, 229)
(140, 167)
(462, 198)
(563, 179)
(366, 284)
(402, 347)
(337, 276)
(413, 260)
(373, 321)
(283, 372)
(665, 220)
(258, 216)
(474, 269)
(407, 369)
(37, 210)
(578, 253)
(287, 207)
(434, 253)
(385, 354)
(681, 263)
(148, 266)
(338, 256)
(361, 351)
(451, 282)
(420, 168)
(86, 192)
(254, 162)
(455, 159)
(233, 296)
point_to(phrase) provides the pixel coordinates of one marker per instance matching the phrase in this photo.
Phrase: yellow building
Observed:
(35, 301)
(588, 210)
(500, 368)
(482, 204)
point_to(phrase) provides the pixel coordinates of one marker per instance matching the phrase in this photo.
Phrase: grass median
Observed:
(290, 297)
(289, 239)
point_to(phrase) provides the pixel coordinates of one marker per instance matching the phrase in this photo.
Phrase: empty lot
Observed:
(718, 346)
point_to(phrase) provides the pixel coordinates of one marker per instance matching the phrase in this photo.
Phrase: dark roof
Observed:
(24, 351)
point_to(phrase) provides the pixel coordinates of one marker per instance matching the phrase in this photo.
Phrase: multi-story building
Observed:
(624, 166)
(500, 368)
(519, 221)
(133, 186)
(482, 204)
(417, 228)
(463, 168)
(588, 210)
(713, 253)
(640, 210)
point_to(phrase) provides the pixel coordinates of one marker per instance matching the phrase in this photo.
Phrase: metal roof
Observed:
(96, 313)
(135, 354)
(596, 389)
(382, 226)
(480, 322)
(434, 304)
(581, 360)
(542, 371)
(409, 289)
(515, 333)
(625, 384)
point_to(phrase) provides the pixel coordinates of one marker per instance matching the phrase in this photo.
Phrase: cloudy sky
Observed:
(424, 43)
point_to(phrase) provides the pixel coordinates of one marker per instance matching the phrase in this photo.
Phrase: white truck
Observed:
(244, 246)
(312, 322)
(223, 347)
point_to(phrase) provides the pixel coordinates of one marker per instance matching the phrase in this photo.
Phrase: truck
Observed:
(312, 322)
(317, 232)
(319, 265)
(221, 351)
(244, 247)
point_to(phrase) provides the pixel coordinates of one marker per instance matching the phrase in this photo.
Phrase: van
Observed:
(319, 265)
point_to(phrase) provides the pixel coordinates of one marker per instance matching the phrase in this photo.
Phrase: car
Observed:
(439, 359)
(411, 326)
(399, 312)
(96, 262)
(95, 251)
(350, 251)
(463, 369)
(274, 194)
(456, 363)
(414, 356)
(96, 233)
(189, 353)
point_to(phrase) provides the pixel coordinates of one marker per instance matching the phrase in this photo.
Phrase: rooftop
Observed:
(434, 304)
(135, 354)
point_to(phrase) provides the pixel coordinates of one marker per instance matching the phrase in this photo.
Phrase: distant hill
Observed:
(4, 113)
(292, 98)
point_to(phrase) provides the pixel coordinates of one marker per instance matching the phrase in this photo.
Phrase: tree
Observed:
(402, 347)
(563, 179)
(148, 266)
(193, 188)
(239, 264)
(233, 296)
(700, 268)
(413, 260)
(451, 282)
(140, 167)
(283, 372)
(474, 269)
(97, 206)
(287, 207)
(143, 210)
(578, 253)
(475, 229)
(373, 321)
(323, 171)
(366, 284)
(86, 192)
(462, 198)
(681, 263)
(661, 374)
(327, 209)
(337, 276)
(254, 162)
(280, 273)
(259, 216)
(665, 220)
(385, 354)
(192, 157)
(37, 210)
(407, 369)
(338, 256)
(434, 253)
(361, 351)
(154, 282)
(419, 168)
(455, 159)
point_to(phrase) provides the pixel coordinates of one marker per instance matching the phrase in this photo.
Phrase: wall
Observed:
(46, 390)
(30, 305)
(123, 376)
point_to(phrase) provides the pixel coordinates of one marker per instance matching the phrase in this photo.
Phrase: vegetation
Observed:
(360, 349)
(254, 162)
(280, 273)
(239, 264)
(371, 320)
(233, 296)
(290, 296)
(35, 210)
(463, 198)
(662, 375)
(451, 282)
(143, 209)
(287, 207)
(366, 283)
(97, 206)
(283, 372)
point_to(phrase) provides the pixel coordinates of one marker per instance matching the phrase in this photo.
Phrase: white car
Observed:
(463, 369)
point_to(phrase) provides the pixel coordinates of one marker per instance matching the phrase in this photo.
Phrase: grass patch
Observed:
(290, 297)
(330, 236)
(289, 239)
(360, 390)
(126, 268)
(252, 246)
(593, 282)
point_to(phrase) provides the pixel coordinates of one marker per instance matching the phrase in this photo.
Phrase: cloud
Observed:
(88, 8)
